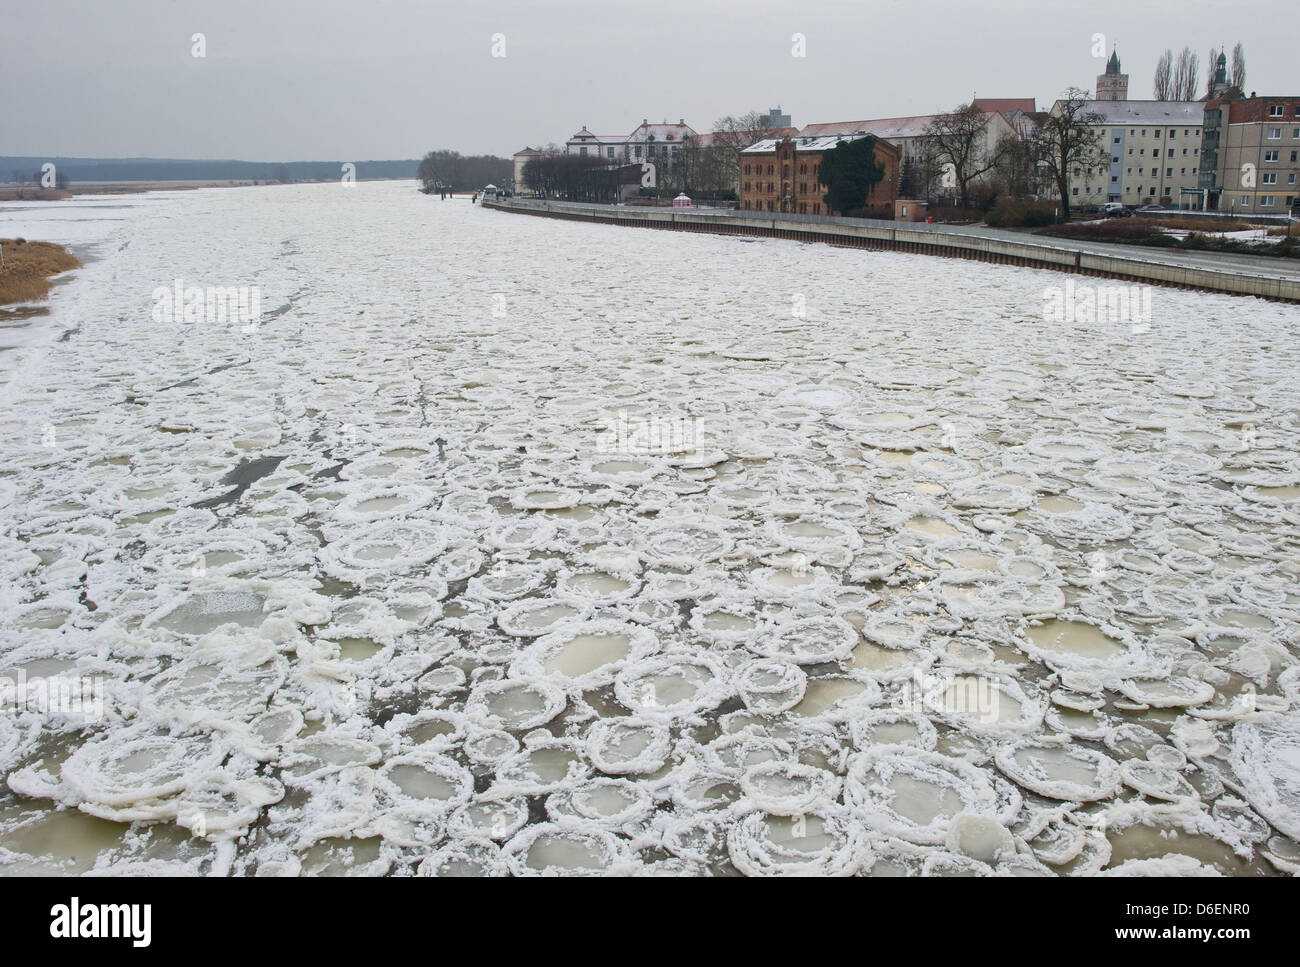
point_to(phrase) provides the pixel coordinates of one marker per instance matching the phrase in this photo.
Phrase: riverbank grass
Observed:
(27, 268)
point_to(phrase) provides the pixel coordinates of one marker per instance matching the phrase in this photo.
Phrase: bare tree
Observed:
(732, 135)
(1238, 70)
(1211, 67)
(1068, 139)
(1164, 79)
(960, 139)
(1186, 75)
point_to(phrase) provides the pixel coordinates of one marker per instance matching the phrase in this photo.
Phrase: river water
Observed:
(486, 543)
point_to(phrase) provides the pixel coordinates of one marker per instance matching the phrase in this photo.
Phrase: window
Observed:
(1270, 155)
(1173, 133)
(1270, 177)
(1275, 110)
(609, 152)
(1266, 201)
(1274, 133)
(1290, 179)
(1169, 172)
(1245, 201)
(1295, 155)
(582, 150)
(1182, 171)
(1295, 132)
(1075, 192)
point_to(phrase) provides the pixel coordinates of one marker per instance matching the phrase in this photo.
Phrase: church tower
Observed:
(1112, 85)
(1219, 86)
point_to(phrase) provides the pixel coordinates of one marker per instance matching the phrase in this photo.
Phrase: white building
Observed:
(1149, 152)
(658, 143)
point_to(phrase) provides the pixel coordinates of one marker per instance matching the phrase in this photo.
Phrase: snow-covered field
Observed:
(500, 543)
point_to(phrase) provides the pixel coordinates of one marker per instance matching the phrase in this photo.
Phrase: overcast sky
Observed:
(287, 80)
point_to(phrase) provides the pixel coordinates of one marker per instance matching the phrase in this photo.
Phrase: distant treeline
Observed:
(164, 169)
(460, 172)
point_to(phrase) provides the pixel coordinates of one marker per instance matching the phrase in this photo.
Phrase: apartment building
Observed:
(1252, 149)
(1149, 153)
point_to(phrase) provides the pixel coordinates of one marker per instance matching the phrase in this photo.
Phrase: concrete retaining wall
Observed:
(928, 240)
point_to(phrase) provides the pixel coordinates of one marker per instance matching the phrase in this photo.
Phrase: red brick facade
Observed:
(785, 180)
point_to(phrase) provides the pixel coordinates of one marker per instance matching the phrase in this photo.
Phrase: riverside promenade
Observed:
(1268, 278)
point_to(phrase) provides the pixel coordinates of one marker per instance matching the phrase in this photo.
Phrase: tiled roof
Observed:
(1000, 105)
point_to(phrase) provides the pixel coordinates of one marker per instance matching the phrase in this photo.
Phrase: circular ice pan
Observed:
(516, 704)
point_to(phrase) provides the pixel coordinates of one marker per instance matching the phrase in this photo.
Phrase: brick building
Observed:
(780, 175)
(1252, 154)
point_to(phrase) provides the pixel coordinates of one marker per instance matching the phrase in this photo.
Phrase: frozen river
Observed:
(491, 543)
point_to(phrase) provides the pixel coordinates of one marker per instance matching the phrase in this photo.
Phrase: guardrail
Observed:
(922, 238)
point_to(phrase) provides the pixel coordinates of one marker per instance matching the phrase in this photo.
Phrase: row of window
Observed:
(771, 206)
(1132, 132)
(1273, 156)
(785, 169)
(1155, 153)
(654, 150)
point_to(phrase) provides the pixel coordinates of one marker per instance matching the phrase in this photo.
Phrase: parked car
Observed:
(1115, 210)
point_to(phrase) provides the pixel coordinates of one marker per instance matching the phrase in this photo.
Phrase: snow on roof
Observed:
(887, 128)
(803, 143)
(1147, 112)
(660, 132)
